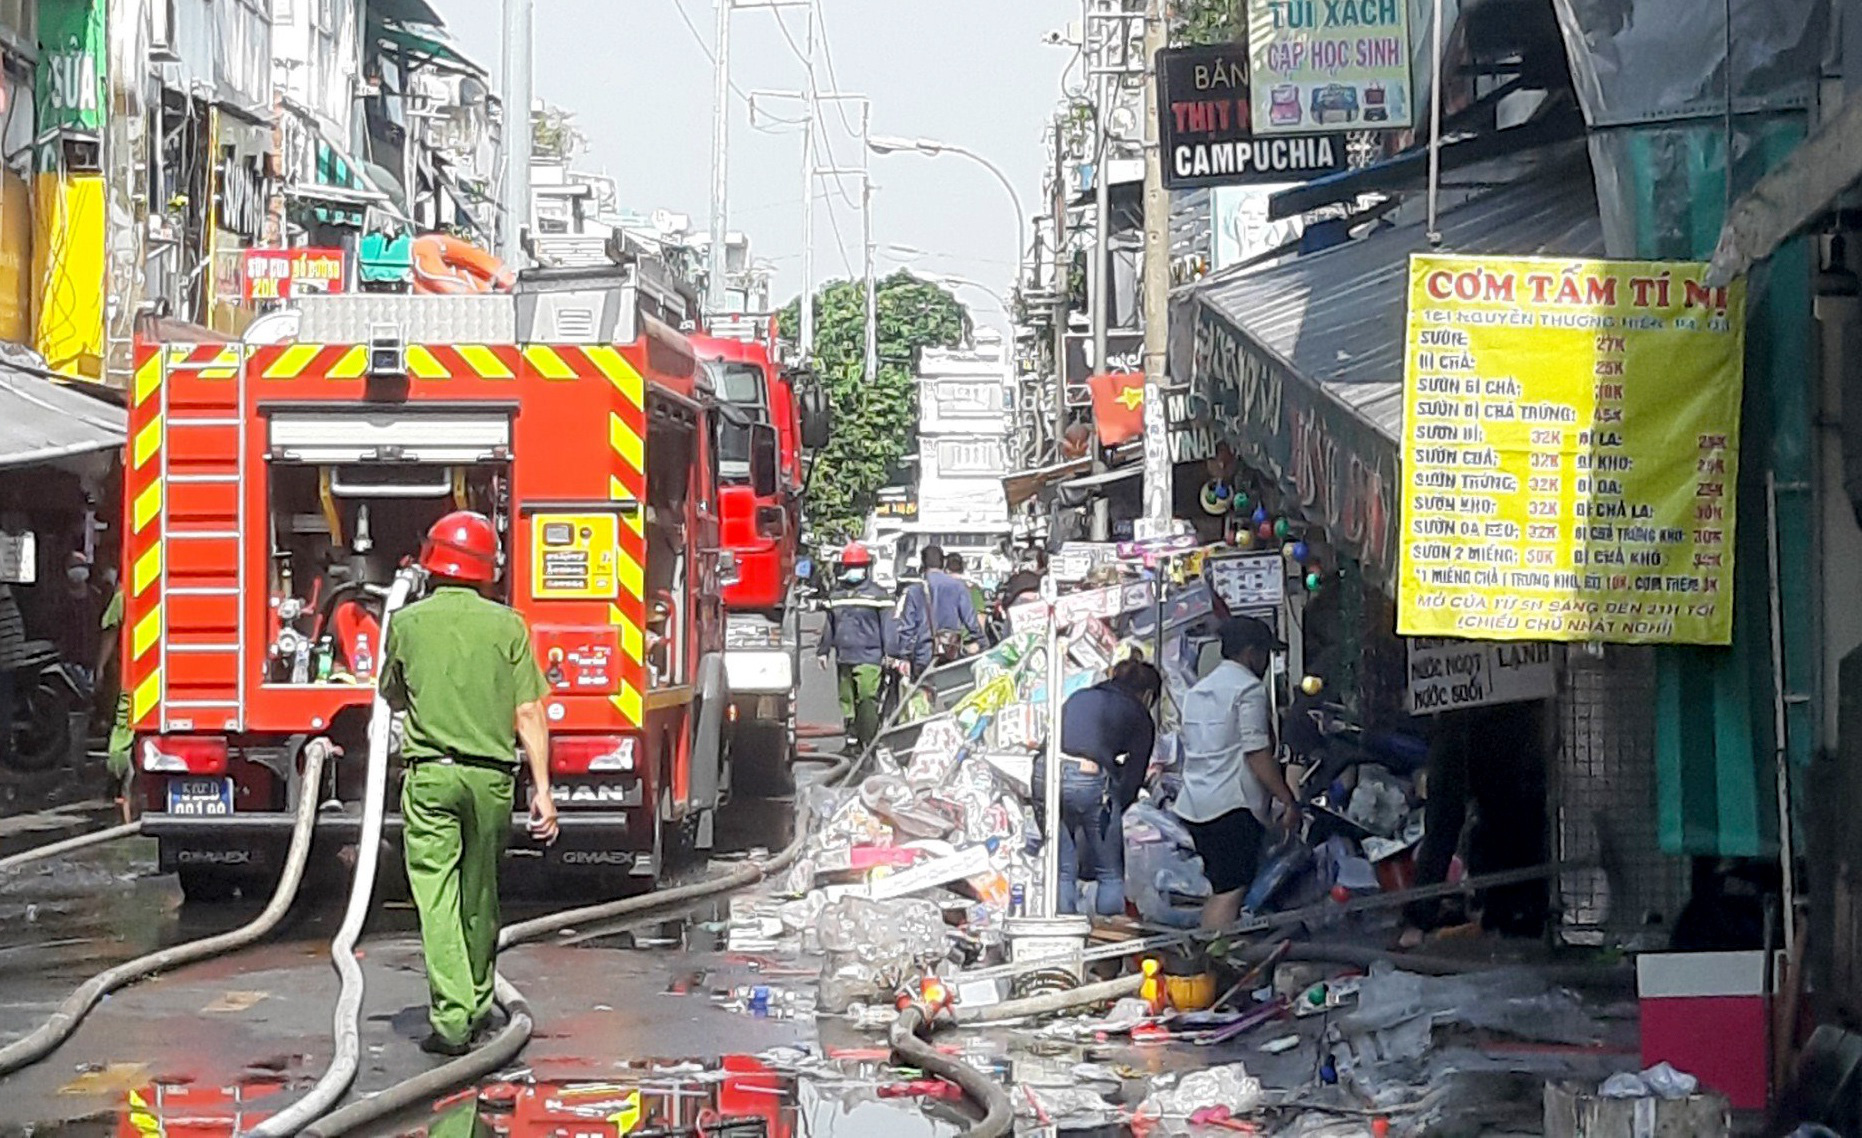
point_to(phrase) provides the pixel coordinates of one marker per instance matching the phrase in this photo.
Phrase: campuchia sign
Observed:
(1206, 126)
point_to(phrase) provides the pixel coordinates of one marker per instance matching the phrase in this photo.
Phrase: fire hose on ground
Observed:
(511, 1039)
(306, 1117)
(70, 845)
(347, 1020)
(54, 1031)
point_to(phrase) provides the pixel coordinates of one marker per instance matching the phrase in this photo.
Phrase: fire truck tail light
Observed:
(182, 754)
(592, 754)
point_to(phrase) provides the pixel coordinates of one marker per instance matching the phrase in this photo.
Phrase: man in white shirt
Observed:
(1229, 769)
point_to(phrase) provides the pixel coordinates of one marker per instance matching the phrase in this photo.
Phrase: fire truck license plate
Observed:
(200, 797)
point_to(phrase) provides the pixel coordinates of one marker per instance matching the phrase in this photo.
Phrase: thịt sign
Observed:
(1570, 451)
(1206, 130)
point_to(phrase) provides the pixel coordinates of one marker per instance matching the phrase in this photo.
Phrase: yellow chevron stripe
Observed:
(148, 567)
(224, 366)
(619, 372)
(148, 630)
(148, 378)
(353, 365)
(422, 365)
(291, 362)
(548, 363)
(633, 637)
(148, 504)
(484, 361)
(147, 692)
(633, 578)
(148, 442)
(179, 353)
(634, 519)
(626, 442)
(629, 703)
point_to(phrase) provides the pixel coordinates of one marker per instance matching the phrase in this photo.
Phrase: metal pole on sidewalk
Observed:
(1098, 279)
(720, 160)
(519, 19)
(1062, 285)
(1157, 468)
(1050, 797)
(808, 200)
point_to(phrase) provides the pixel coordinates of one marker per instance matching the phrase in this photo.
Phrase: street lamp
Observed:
(930, 147)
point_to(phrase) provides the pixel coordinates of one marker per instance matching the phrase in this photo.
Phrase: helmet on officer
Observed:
(856, 561)
(462, 546)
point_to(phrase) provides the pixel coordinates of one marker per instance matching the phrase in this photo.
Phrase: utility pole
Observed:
(1157, 468)
(519, 19)
(812, 98)
(1062, 284)
(720, 159)
(808, 200)
(872, 292)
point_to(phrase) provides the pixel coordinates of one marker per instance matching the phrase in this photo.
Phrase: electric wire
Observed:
(698, 37)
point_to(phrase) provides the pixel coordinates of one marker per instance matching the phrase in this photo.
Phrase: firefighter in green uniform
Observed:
(861, 635)
(462, 668)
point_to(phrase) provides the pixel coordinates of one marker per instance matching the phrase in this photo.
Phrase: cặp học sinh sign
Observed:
(1570, 451)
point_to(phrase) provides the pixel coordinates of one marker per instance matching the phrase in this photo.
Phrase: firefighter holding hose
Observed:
(462, 669)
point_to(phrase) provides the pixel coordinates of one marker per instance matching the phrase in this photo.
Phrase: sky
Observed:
(973, 73)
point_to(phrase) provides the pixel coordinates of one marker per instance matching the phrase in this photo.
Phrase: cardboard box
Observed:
(1579, 1112)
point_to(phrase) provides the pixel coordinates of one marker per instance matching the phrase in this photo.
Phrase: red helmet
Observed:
(855, 554)
(463, 546)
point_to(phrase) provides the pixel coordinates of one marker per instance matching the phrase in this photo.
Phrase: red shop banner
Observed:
(280, 274)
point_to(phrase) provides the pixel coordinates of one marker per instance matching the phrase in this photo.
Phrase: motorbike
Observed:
(46, 693)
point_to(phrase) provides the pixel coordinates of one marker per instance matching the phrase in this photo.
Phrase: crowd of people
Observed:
(1234, 790)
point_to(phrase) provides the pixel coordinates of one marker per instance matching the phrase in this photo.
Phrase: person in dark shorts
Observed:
(1229, 769)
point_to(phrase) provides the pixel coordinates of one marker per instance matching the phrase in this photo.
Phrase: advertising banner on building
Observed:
(1206, 127)
(280, 274)
(1570, 451)
(1445, 675)
(71, 65)
(1329, 65)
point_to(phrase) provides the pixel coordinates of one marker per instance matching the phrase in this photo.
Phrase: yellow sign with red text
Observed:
(1570, 451)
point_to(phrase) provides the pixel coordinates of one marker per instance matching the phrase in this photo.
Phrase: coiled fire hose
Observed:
(54, 1031)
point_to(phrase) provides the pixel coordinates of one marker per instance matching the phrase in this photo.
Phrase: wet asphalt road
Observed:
(227, 1039)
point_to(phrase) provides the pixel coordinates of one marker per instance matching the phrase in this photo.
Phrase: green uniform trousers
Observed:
(859, 700)
(454, 822)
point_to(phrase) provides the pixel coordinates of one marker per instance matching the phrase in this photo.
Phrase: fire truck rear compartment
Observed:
(337, 534)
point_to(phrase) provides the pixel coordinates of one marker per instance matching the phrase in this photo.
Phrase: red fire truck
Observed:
(274, 486)
(763, 531)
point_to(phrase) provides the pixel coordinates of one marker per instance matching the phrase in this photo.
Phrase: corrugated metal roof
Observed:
(1336, 318)
(41, 421)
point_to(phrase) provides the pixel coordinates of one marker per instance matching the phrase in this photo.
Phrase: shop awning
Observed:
(42, 421)
(1026, 484)
(1299, 367)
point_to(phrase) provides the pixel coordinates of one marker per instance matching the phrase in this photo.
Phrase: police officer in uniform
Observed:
(861, 635)
(462, 669)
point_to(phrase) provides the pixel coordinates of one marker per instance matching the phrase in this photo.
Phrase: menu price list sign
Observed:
(1570, 451)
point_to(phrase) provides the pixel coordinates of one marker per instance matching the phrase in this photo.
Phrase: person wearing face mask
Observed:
(860, 633)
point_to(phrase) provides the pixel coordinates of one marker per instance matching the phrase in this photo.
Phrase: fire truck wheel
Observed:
(760, 760)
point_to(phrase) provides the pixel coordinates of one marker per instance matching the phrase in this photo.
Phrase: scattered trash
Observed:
(1660, 1081)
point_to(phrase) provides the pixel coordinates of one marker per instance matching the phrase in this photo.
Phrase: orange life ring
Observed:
(447, 266)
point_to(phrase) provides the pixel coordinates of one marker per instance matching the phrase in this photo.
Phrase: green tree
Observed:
(873, 424)
(1208, 22)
